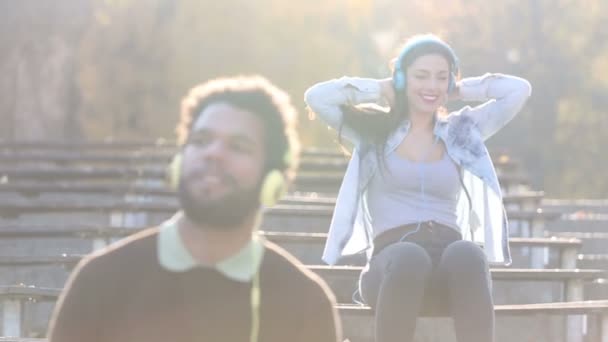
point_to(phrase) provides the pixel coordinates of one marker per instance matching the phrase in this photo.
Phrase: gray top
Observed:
(395, 196)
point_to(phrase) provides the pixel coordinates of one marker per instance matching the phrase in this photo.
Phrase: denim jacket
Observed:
(463, 132)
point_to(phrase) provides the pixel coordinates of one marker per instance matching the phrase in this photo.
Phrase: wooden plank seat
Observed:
(280, 217)
(149, 159)
(106, 144)
(315, 163)
(14, 298)
(309, 246)
(304, 245)
(559, 308)
(332, 273)
(525, 200)
(593, 242)
(528, 200)
(359, 326)
(343, 279)
(509, 285)
(22, 206)
(593, 260)
(351, 315)
(166, 146)
(320, 181)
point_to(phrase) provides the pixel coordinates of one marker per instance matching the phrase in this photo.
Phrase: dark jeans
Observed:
(432, 273)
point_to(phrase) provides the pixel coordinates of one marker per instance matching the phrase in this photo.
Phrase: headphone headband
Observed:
(415, 43)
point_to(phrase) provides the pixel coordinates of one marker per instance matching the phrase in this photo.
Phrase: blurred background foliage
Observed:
(77, 70)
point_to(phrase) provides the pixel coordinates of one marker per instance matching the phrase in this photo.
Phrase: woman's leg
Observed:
(394, 284)
(465, 269)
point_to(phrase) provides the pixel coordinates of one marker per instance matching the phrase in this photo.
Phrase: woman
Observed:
(421, 189)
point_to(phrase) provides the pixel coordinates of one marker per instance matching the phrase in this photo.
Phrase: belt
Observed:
(395, 234)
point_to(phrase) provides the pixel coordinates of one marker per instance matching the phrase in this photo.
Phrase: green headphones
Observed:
(273, 187)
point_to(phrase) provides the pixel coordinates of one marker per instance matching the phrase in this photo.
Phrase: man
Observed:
(204, 275)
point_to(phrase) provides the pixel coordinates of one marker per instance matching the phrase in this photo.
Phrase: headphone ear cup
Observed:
(273, 188)
(399, 79)
(173, 171)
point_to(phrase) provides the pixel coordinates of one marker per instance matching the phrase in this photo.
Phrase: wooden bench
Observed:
(312, 243)
(593, 260)
(64, 159)
(532, 220)
(305, 246)
(13, 302)
(14, 298)
(165, 147)
(106, 144)
(528, 200)
(593, 242)
(358, 322)
(291, 217)
(68, 261)
(278, 218)
(296, 243)
(311, 180)
(343, 279)
(147, 159)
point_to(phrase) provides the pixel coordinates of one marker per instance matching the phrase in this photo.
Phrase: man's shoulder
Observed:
(137, 246)
(292, 272)
(281, 259)
(304, 293)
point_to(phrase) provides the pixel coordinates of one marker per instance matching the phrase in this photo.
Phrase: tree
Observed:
(41, 99)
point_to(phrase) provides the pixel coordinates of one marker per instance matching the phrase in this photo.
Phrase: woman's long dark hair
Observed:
(374, 126)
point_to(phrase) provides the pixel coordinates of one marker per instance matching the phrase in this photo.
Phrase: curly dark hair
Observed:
(256, 95)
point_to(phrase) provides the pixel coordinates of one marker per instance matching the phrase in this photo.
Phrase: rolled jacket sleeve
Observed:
(504, 96)
(326, 99)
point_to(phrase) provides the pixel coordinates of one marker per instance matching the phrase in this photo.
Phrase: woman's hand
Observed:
(387, 91)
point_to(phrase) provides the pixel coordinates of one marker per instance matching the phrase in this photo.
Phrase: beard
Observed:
(227, 212)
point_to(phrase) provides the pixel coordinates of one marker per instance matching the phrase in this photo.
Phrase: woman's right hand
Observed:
(387, 91)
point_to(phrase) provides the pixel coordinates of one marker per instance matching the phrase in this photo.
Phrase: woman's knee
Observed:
(464, 256)
(398, 264)
(406, 259)
(465, 268)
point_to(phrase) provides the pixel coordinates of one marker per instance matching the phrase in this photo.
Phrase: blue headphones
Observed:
(399, 76)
